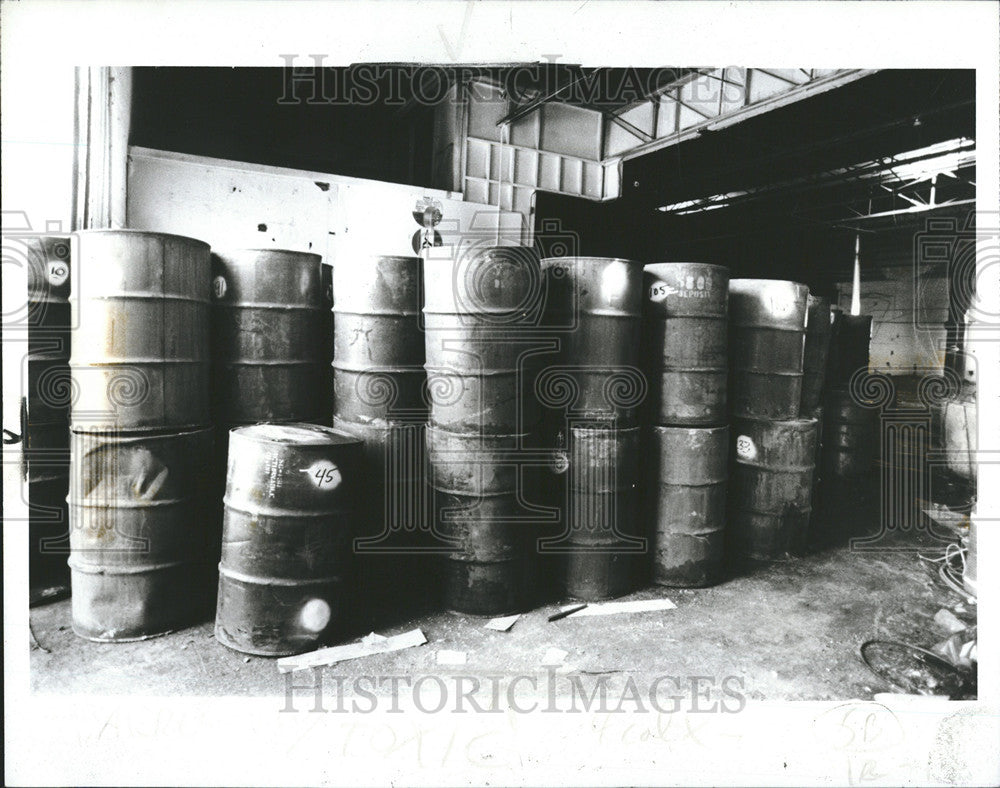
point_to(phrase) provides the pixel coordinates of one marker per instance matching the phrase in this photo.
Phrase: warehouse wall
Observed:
(908, 316)
(235, 204)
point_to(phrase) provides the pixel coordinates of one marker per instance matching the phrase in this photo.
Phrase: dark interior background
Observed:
(258, 115)
(794, 233)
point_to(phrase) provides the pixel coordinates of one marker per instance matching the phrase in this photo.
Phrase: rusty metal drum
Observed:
(45, 456)
(486, 567)
(49, 387)
(819, 329)
(604, 538)
(850, 436)
(688, 472)
(685, 343)
(378, 339)
(480, 312)
(137, 506)
(480, 520)
(326, 329)
(47, 259)
(771, 487)
(267, 337)
(45, 411)
(290, 510)
(847, 470)
(850, 348)
(140, 355)
(594, 306)
(767, 319)
(394, 525)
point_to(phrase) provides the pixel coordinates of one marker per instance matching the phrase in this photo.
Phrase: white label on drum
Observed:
(782, 305)
(659, 291)
(324, 474)
(559, 462)
(219, 286)
(58, 273)
(745, 448)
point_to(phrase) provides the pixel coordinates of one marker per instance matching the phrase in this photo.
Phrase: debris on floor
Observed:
(503, 623)
(948, 621)
(371, 644)
(613, 608)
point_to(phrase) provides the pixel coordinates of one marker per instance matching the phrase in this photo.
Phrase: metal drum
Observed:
(818, 333)
(594, 306)
(45, 450)
(685, 342)
(138, 532)
(481, 520)
(48, 269)
(850, 343)
(604, 523)
(850, 437)
(478, 317)
(688, 476)
(395, 524)
(140, 357)
(771, 487)
(49, 328)
(267, 340)
(768, 323)
(379, 344)
(45, 411)
(326, 330)
(291, 501)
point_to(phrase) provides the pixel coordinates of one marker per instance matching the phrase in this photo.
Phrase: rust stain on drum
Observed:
(771, 487)
(688, 475)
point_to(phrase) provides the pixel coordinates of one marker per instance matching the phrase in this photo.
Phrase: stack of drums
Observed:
(685, 356)
(290, 507)
(773, 446)
(268, 346)
(478, 310)
(45, 427)
(378, 369)
(140, 442)
(819, 327)
(596, 303)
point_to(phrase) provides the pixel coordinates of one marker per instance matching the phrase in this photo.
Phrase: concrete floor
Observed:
(790, 630)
